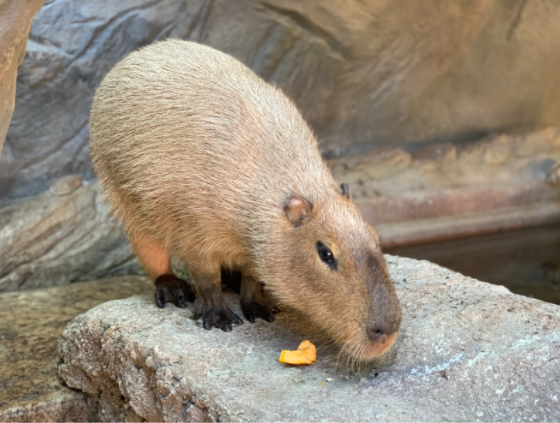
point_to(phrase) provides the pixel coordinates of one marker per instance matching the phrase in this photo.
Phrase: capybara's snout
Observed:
(385, 323)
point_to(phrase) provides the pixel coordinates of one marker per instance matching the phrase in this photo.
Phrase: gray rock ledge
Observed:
(468, 351)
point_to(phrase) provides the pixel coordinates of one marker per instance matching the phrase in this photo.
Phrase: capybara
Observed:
(204, 161)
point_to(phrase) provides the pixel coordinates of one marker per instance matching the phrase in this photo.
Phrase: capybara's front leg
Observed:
(253, 303)
(210, 303)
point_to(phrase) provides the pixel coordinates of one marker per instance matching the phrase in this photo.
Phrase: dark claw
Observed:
(172, 289)
(249, 314)
(254, 310)
(207, 324)
(179, 301)
(222, 319)
(160, 299)
(236, 319)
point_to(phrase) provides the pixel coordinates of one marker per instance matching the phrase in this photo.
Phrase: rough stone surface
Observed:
(30, 325)
(362, 73)
(66, 185)
(468, 351)
(15, 21)
(55, 239)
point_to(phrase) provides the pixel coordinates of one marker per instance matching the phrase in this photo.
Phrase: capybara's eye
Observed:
(326, 255)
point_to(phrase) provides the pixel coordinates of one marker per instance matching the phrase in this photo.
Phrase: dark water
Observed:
(527, 261)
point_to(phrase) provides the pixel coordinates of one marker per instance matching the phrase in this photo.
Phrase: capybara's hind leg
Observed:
(155, 260)
(171, 289)
(210, 303)
(253, 302)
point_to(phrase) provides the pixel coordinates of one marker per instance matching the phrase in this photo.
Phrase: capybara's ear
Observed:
(297, 209)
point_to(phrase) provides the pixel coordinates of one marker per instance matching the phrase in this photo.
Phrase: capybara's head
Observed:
(330, 267)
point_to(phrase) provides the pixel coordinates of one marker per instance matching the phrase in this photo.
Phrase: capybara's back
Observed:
(204, 161)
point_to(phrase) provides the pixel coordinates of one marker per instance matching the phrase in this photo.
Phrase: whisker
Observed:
(356, 361)
(351, 356)
(341, 351)
(343, 354)
(361, 357)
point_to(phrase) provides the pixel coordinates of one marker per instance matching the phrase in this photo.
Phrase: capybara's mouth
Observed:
(379, 347)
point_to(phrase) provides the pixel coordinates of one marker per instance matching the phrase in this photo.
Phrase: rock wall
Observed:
(15, 20)
(363, 74)
(63, 235)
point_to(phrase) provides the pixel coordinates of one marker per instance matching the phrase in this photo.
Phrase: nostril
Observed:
(375, 333)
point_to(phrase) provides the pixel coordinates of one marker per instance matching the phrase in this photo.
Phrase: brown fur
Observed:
(202, 160)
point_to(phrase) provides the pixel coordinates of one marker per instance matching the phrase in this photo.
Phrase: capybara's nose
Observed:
(377, 333)
(382, 337)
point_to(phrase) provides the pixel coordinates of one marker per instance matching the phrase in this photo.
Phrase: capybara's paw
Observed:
(221, 317)
(253, 310)
(170, 289)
